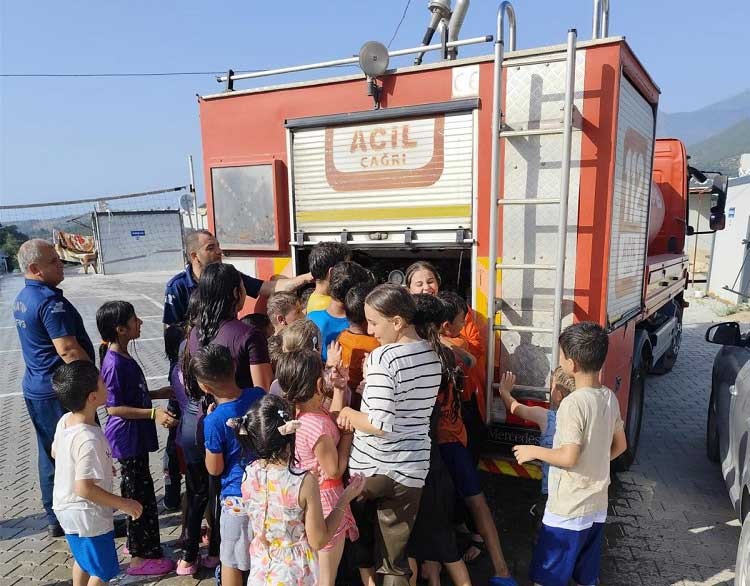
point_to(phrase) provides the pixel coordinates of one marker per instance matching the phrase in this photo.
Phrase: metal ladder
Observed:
(501, 132)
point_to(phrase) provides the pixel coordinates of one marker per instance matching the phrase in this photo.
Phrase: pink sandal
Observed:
(158, 567)
(189, 570)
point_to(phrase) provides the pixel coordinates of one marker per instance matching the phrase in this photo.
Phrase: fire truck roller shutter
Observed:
(384, 176)
(630, 203)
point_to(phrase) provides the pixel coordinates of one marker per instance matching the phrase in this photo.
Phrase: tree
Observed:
(10, 241)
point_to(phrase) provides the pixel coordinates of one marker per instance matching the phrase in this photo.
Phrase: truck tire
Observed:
(634, 418)
(712, 429)
(667, 362)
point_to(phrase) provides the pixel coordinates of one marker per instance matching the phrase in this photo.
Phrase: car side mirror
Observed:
(726, 334)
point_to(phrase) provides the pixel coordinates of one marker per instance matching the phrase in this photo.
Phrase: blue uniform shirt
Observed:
(181, 286)
(42, 314)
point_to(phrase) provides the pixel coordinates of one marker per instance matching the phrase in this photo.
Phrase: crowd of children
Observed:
(344, 427)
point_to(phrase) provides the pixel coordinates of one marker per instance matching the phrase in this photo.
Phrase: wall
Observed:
(729, 252)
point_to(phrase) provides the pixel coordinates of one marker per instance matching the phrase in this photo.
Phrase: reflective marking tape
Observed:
(399, 213)
(509, 467)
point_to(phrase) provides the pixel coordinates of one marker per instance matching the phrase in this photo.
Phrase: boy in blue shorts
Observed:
(589, 434)
(83, 499)
(214, 370)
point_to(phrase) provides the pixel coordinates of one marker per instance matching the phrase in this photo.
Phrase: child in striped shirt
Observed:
(391, 445)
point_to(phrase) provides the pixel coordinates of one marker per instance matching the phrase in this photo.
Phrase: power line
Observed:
(400, 22)
(127, 74)
(139, 74)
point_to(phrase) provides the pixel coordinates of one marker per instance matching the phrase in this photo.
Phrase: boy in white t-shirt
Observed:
(588, 435)
(82, 497)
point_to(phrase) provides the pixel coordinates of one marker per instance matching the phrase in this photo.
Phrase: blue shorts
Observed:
(96, 556)
(463, 471)
(564, 554)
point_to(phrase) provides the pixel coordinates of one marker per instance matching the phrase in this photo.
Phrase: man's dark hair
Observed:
(454, 304)
(346, 275)
(74, 382)
(354, 302)
(212, 363)
(586, 344)
(324, 256)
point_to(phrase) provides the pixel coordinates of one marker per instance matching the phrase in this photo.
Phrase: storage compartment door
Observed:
(630, 202)
(375, 180)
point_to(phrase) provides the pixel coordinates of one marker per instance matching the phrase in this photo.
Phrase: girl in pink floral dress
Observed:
(320, 447)
(284, 504)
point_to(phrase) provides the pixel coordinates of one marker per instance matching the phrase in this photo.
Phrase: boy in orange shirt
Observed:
(354, 341)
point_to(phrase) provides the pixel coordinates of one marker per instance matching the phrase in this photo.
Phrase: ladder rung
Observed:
(530, 132)
(527, 202)
(504, 267)
(528, 329)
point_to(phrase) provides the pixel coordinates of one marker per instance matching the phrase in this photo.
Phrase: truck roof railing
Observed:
(231, 77)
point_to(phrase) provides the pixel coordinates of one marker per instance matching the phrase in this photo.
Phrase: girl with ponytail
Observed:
(131, 431)
(391, 444)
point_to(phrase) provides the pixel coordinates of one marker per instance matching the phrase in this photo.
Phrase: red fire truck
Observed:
(524, 175)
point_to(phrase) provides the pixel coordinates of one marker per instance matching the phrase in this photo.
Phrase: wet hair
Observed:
(279, 304)
(109, 317)
(192, 240)
(346, 275)
(274, 350)
(430, 315)
(562, 381)
(585, 343)
(392, 300)
(211, 304)
(354, 303)
(174, 334)
(298, 373)
(74, 382)
(302, 334)
(303, 293)
(213, 364)
(324, 256)
(259, 321)
(421, 265)
(258, 431)
(454, 304)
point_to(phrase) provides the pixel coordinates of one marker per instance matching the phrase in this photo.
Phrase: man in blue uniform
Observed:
(51, 332)
(203, 249)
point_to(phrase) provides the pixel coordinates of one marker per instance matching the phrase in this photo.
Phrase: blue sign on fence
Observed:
(137, 233)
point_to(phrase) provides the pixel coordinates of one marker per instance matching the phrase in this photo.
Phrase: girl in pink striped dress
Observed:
(319, 446)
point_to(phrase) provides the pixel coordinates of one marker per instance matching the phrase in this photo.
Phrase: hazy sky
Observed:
(73, 137)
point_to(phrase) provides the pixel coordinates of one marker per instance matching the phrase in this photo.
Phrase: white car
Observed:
(728, 429)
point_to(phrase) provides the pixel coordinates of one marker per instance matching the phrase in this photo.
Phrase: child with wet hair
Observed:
(320, 447)
(283, 309)
(282, 502)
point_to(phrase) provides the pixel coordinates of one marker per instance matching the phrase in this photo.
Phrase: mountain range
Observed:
(716, 135)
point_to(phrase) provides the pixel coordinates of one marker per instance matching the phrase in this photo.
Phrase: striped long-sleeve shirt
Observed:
(400, 391)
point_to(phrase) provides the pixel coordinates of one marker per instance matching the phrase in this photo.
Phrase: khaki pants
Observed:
(397, 506)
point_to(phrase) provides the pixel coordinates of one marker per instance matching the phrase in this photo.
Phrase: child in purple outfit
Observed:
(131, 431)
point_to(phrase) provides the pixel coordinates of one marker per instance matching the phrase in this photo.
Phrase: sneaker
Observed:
(55, 530)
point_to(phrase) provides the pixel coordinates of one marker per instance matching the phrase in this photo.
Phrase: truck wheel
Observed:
(666, 362)
(712, 429)
(634, 419)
